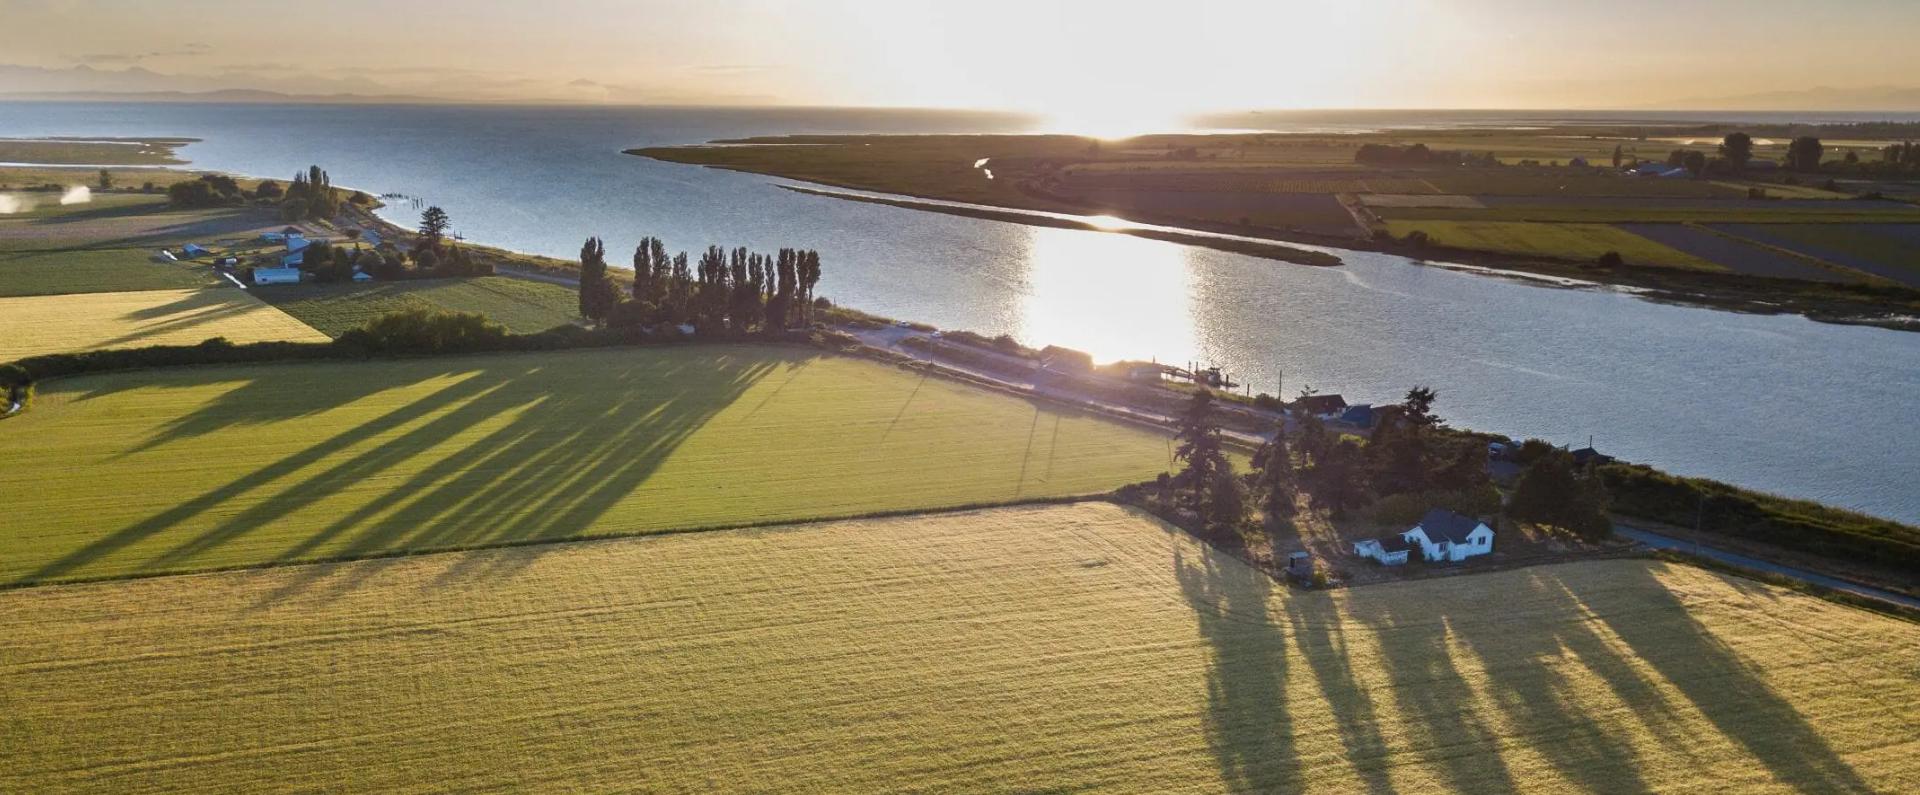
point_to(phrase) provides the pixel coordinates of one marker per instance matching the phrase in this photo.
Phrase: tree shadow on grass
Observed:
(1526, 681)
(1664, 634)
(1318, 634)
(1430, 692)
(1247, 720)
(243, 406)
(530, 481)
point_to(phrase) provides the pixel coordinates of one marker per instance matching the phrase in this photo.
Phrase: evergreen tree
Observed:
(1274, 467)
(1199, 439)
(597, 294)
(1737, 149)
(1552, 492)
(1804, 153)
(433, 225)
(1338, 479)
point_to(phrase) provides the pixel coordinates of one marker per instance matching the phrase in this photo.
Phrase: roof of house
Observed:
(1585, 454)
(1441, 524)
(1321, 404)
(1395, 544)
(276, 273)
(1361, 414)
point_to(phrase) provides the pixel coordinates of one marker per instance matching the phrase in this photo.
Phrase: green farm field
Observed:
(33, 325)
(108, 244)
(191, 469)
(523, 306)
(1069, 648)
(1839, 213)
(1572, 241)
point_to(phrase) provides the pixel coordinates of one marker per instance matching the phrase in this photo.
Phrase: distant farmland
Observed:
(191, 469)
(1057, 649)
(39, 324)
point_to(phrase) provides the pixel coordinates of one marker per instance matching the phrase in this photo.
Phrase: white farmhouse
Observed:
(1442, 535)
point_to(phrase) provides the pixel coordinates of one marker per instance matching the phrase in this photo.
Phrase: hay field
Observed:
(1566, 241)
(1070, 648)
(32, 325)
(108, 244)
(191, 469)
(523, 306)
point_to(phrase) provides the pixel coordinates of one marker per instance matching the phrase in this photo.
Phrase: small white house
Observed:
(276, 275)
(1442, 535)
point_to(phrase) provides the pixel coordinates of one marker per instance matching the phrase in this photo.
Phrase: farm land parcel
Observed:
(33, 325)
(215, 467)
(1035, 649)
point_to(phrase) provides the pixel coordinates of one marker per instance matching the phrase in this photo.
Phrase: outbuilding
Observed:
(194, 250)
(1388, 550)
(276, 275)
(1325, 407)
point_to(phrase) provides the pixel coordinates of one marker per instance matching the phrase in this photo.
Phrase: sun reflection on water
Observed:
(1113, 296)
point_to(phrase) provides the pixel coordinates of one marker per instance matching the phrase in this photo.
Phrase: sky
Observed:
(1086, 61)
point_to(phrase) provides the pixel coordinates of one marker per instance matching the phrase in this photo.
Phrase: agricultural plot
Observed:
(1890, 251)
(33, 325)
(190, 469)
(523, 306)
(1759, 212)
(1060, 649)
(108, 244)
(1563, 241)
(1736, 255)
(1317, 212)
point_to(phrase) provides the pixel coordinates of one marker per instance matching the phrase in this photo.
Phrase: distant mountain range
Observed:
(219, 95)
(1902, 99)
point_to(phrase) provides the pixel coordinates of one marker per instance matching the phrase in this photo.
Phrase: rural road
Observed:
(1658, 541)
(890, 337)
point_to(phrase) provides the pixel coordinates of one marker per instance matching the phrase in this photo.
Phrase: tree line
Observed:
(1405, 466)
(737, 291)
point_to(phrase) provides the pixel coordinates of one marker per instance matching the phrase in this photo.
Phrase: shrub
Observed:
(427, 331)
(1797, 524)
(1610, 259)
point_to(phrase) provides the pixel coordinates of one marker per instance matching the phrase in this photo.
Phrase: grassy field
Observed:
(187, 469)
(1759, 213)
(523, 306)
(108, 243)
(33, 325)
(92, 151)
(1890, 251)
(1060, 649)
(1575, 241)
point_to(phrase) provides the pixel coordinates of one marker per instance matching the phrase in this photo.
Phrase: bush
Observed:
(427, 331)
(1610, 259)
(211, 190)
(1796, 524)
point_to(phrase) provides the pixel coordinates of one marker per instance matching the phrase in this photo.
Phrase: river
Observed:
(1776, 403)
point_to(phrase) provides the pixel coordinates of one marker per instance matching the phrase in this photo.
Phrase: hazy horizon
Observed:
(1084, 65)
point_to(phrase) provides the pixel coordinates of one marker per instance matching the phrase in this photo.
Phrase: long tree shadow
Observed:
(1248, 725)
(120, 540)
(1529, 687)
(533, 479)
(1316, 622)
(1664, 634)
(1431, 694)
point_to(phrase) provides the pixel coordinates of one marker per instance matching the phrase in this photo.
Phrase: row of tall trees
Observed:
(311, 196)
(1408, 461)
(736, 290)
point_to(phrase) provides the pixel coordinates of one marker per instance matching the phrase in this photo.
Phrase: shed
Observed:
(293, 259)
(194, 250)
(1588, 455)
(276, 275)
(1360, 415)
(1324, 406)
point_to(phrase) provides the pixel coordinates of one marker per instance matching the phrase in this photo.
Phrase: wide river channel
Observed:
(1777, 403)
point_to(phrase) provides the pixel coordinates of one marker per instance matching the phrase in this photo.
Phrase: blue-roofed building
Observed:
(194, 250)
(276, 275)
(1360, 415)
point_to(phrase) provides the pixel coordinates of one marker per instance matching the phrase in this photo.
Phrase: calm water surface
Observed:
(1775, 403)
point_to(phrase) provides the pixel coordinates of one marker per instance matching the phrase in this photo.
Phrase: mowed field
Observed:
(190, 469)
(1058, 649)
(523, 306)
(37, 324)
(1566, 241)
(108, 244)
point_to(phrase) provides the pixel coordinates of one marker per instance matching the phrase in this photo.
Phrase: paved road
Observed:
(1058, 388)
(1658, 541)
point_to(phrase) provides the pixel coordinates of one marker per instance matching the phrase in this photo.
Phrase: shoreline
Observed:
(1819, 302)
